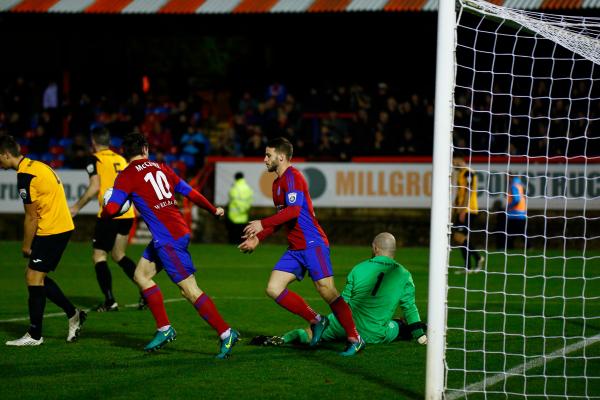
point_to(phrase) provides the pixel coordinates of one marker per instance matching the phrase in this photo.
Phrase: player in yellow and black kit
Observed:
(110, 235)
(48, 227)
(464, 212)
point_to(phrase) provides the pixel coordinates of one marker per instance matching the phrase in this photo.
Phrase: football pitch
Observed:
(108, 361)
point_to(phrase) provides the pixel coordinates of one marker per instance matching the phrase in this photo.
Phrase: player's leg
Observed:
(103, 241)
(46, 253)
(120, 257)
(278, 291)
(472, 251)
(120, 245)
(54, 246)
(37, 304)
(208, 311)
(460, 239)
(144, 273)
(318, 263)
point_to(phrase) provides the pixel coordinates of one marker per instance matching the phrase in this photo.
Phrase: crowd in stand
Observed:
(333, 124)
(326, 124)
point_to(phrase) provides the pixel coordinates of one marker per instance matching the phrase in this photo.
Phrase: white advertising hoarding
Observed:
(408, 185)
(74, 181)
(373, 185)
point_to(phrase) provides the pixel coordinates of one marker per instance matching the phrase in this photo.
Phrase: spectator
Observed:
(196, 145)
(77, 155)
(240, 201)
(50, 98)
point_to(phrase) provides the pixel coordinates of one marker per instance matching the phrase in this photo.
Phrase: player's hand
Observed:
(253, 228)
(422, 340)
(462, 216)
(74, 210)
(26, 252)
(249, 244)
(220, 212)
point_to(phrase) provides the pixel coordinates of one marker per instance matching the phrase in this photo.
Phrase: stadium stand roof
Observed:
(260, 6)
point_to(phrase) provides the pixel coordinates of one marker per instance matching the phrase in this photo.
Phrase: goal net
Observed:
(526, 104)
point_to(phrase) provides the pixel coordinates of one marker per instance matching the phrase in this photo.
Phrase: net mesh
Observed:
(527, 106)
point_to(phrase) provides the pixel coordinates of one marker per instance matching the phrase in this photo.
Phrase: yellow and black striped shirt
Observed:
(107, 164)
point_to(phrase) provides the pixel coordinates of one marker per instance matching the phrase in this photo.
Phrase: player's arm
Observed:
(293, 201)
(196, 197)
(29, 196)
(411, 313)
(30, 225)
(90, 192)
(93, 186)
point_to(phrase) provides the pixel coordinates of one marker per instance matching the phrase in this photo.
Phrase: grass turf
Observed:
(108, 361)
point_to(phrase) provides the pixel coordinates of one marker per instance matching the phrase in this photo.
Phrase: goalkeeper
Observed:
(374, 290)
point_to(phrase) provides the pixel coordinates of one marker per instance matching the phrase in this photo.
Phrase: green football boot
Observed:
(353, 348)
(160, 339)
(317, 330)
(227, 344)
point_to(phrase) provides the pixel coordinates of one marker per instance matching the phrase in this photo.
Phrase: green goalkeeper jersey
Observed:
(374, 289)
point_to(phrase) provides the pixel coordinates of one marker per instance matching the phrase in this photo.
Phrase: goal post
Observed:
(517, 95)
(440, 212)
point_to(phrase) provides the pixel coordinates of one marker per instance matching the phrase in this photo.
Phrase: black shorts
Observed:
(107, 230)
(46, 251)
(463, 227)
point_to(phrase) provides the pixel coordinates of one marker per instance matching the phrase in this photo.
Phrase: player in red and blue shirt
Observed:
(308, 249)
(152, 187)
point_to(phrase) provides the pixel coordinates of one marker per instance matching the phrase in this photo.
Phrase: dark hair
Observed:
(10, 145)
(101, 136)
(133, 145)
(238, 175)
(282, 146)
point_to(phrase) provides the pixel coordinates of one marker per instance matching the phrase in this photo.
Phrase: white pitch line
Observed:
(134, 305)
(521, 369)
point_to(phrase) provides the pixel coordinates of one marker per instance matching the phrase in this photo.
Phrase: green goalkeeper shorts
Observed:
(372, 335)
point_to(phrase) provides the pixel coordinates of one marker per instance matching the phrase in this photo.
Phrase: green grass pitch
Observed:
(108, 361)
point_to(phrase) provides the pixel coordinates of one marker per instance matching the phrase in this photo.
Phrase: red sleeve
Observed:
(201, 201)
(283, 216)
(110, 210)
(266, 232)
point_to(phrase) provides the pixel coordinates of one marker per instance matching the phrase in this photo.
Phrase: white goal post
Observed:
(517, 96)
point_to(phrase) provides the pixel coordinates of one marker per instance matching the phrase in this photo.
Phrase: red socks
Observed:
(207, 310)
(343, 313)
(154, 299)
(296, 304)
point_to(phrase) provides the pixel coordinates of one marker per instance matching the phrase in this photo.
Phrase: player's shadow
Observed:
(116, 339)
(14, 329)
(341, 364)
(86, 302)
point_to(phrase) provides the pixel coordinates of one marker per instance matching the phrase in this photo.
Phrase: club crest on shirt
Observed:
(23, 193)
(292, 197)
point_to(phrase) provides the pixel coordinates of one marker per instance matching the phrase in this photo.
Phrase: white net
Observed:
(526, 104)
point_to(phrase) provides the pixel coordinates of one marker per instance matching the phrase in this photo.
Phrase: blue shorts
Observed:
(315, 260)
(172, 257)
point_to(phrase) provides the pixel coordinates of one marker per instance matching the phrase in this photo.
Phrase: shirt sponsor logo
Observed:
(23, 193)
(292, 197)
